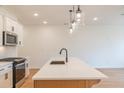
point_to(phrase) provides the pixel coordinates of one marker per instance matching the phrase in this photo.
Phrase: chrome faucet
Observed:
(66, 53)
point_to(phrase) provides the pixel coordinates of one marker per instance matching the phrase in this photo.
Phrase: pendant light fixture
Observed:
(78, 12)
(75, 18)
(70, 25)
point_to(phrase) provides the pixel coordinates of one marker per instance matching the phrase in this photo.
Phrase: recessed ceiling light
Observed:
(95, 18)
(45, 22)
(36, 14)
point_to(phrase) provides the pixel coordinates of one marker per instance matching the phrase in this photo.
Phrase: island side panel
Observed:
(64, 83)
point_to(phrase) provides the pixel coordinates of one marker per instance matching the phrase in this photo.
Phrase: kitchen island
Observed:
(74, 74)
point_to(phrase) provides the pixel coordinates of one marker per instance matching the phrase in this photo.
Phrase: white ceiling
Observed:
(59, 14)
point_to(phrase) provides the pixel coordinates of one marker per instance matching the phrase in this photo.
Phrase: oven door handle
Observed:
(20, 64)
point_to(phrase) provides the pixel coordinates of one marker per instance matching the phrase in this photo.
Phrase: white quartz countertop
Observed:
(75, 69)
(2, 63)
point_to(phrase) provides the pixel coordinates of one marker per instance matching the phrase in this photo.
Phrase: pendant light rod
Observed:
(73, 13)
(73, 8)
(70, 16)
(79, 8)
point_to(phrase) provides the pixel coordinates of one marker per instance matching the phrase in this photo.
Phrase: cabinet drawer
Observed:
(5, 68)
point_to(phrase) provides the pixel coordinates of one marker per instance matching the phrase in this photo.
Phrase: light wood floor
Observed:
(115, 80)
(28, 82)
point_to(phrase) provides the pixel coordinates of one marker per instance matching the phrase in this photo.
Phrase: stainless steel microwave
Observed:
(10, 38)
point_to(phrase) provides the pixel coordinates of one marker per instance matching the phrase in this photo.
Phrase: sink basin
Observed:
(57, 62)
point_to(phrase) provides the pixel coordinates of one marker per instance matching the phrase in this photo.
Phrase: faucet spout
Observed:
(66, 51)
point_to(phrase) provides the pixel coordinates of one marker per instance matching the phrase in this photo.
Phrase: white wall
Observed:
(4, 50)
(99, 46)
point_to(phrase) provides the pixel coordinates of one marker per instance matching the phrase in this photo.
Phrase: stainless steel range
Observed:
(18, 70)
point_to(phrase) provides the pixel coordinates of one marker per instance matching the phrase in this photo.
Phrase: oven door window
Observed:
(11, 39)
(20, 72)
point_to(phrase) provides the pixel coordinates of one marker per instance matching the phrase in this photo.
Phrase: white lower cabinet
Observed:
(6, 78)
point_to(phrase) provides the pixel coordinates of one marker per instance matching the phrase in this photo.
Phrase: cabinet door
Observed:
(6, 80)
(9, 25)
(1, 29)
(20, 34)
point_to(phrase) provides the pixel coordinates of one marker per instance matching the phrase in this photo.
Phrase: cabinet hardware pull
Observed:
(9, 66)
(12, 28)
(6, 76)
(20, 42)
(1, 69)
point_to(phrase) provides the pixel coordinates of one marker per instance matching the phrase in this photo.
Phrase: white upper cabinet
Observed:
(9, 24)
(1, 29)
(20, 34)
